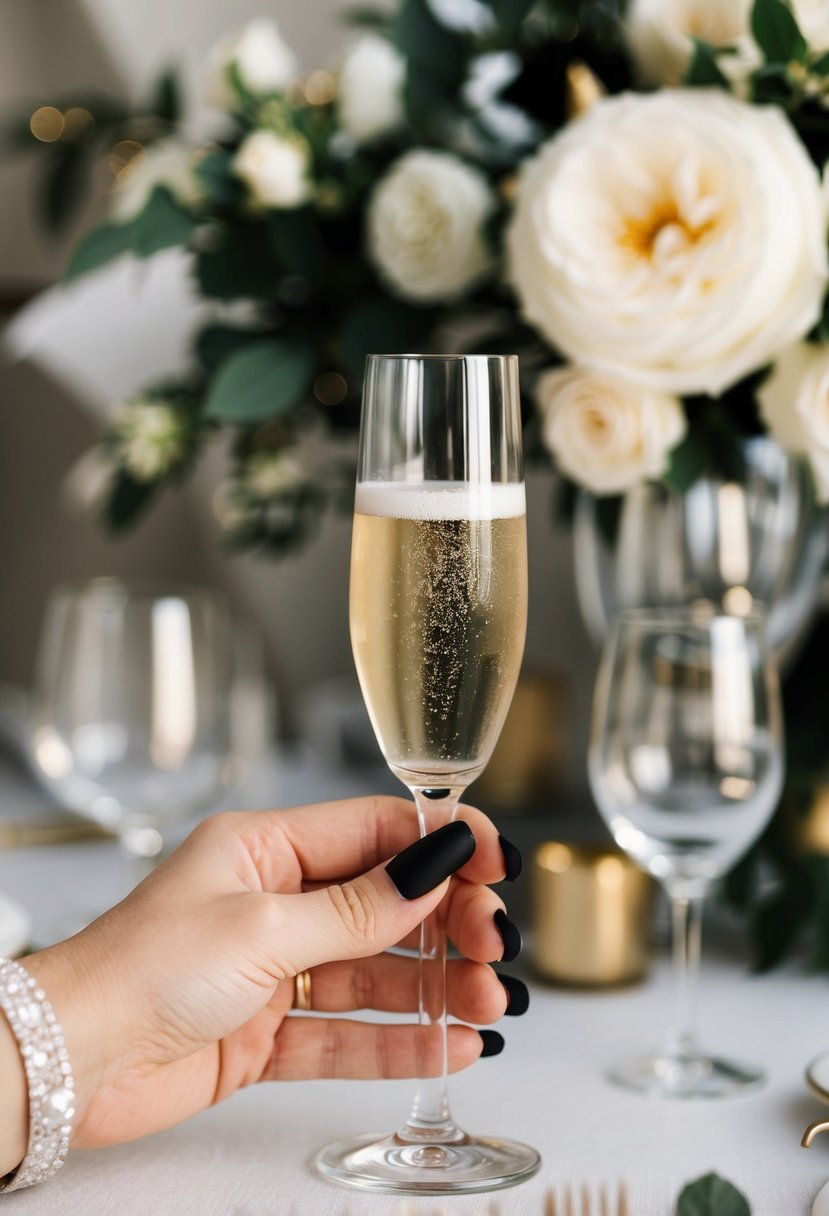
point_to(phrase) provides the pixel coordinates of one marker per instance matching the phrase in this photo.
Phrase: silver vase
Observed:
(763, 541)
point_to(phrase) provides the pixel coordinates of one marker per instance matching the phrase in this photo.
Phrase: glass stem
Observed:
(686, 918)
(430, 1120)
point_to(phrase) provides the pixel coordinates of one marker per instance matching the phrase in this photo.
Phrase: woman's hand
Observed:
(180, 995)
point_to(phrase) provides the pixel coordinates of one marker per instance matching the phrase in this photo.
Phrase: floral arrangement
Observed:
(485, 168)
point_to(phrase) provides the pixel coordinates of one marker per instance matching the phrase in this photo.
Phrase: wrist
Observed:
(14, 1102)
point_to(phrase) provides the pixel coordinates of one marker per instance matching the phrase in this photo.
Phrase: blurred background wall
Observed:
(47, 47)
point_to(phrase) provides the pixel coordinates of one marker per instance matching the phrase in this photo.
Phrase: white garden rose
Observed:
(661, 34)
(426, 226)
(274, 168)
(167, 162)
(675, 239)
(370, 91)
(794, 403)
(263, 60)
(605, 434)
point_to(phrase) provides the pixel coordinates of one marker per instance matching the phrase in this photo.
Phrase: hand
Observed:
(178, 996)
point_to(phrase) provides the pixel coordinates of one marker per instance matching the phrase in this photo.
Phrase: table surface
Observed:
(250, 1156)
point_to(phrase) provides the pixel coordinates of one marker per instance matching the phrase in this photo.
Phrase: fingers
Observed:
(470, 913)
(389, 982)
(365, 915)
(335, 840)
(307, 1048)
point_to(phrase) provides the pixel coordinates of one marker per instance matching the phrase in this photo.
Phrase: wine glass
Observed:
(686, 764)
(438, 606)
(131, 717)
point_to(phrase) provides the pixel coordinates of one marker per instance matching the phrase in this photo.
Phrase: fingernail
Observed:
(509, 935)
(512, 858)
(426, 863)
(517, 993)
(493, 1043)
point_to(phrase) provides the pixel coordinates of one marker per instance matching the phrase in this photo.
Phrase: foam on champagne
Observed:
(440, 500)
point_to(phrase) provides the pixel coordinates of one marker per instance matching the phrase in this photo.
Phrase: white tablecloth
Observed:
(250, 1156)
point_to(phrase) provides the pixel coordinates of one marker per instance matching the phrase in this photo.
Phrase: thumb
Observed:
(367, 914)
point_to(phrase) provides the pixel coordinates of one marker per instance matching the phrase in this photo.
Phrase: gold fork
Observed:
(586, 1201)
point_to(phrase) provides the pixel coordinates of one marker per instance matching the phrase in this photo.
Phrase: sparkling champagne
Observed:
(438, 618)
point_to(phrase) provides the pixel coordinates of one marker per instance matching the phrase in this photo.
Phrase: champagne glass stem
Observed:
(430, 1117)
(686, 917)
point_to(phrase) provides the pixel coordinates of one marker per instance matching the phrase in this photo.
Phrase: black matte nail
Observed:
(512, 858)
(518, 994)
(509, 935)
(493, 1042)
(426, 863)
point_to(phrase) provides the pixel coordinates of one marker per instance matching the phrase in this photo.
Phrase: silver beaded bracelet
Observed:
(48, 1073)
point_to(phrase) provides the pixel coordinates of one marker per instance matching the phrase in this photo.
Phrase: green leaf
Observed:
(689, 460)
(436, 59)
(703, 70)
(510, 15)
(821, 65)
(215, 343)
(297, 245)
(264, 381)
(712, 1196)
(238, 264)
(363, 16)
(380, 326)
(166, 101)
(100, 245)
(128, 500)
(162, 223)
(217, 179)
(64, 185)
(776, 32)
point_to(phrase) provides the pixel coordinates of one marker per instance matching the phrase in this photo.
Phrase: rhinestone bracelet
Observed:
(48, 1074)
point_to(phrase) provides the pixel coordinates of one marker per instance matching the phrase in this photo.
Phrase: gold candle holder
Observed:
(591, 914)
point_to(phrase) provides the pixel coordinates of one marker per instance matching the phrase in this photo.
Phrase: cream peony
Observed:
(269, 474)
(167, 162)
(794, 403)
(675, 239)
(605, 434)
(661, 34)
(425, 226)
(370, 92)
(264, 62)
(275, 169)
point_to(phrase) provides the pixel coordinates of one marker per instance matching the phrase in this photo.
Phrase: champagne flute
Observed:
(438, 606)
(686, 764)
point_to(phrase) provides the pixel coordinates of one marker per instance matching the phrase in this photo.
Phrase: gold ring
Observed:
(302, 991)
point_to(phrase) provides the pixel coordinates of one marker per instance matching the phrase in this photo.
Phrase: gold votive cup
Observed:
(591, 912)
(531, 755)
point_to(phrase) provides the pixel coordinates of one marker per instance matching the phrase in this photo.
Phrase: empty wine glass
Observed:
(438, 607)
(131, 717)
(686, 764)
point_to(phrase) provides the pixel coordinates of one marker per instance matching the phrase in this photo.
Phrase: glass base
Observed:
(684, 1076)
(388, 1163)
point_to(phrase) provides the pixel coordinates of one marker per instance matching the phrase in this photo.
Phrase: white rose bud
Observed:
(682, 263)
(275, 169)
(268, 474)
(168, 163)
(426, 226)
(152, 437)
(605, 434)
(794, 404)
(370, 91)
(264, 62)
(661, 35)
